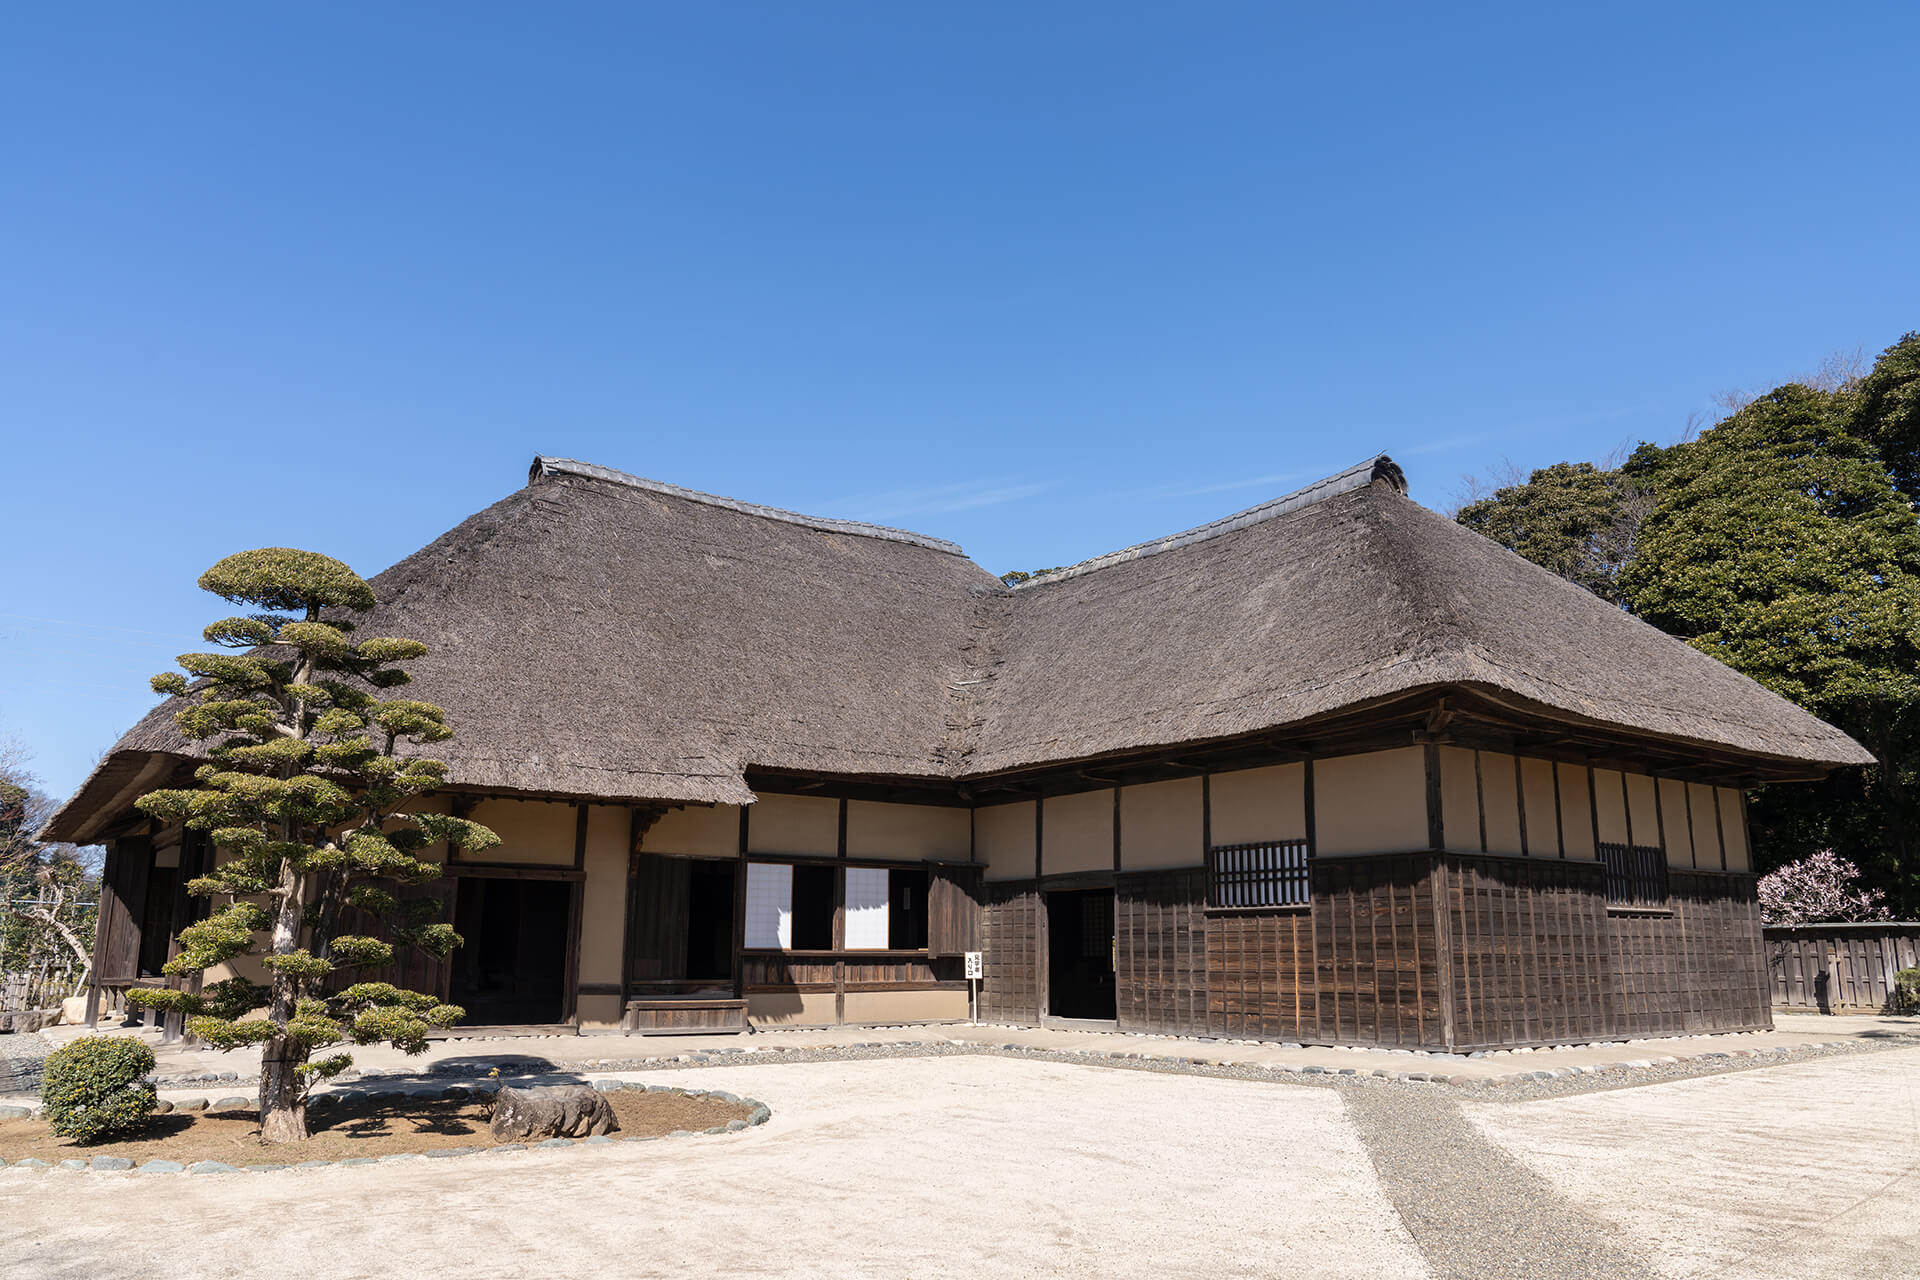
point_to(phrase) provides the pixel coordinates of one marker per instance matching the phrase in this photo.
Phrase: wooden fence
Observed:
(1840, 968)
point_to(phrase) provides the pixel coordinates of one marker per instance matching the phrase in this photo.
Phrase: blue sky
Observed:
(1045, 279)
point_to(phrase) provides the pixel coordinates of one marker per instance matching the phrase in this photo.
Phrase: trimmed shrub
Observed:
(1906, 991)
(93, 1087)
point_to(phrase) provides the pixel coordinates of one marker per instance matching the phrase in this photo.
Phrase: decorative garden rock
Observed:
(22, 1059)
(551, 1111)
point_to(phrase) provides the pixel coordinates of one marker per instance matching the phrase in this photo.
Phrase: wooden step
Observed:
(694, 1015)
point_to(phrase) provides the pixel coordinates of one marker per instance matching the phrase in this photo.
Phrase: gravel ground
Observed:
(1532, 1076)
(1476, 1212)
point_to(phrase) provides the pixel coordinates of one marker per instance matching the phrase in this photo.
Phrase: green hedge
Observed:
(94, 1087)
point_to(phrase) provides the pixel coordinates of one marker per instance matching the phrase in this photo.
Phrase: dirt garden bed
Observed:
(387, 1127)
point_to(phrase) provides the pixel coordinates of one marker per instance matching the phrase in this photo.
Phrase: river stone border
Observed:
(759, 1115)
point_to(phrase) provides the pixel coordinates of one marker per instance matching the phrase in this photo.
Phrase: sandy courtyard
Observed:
(948, 1167)
(988, 1167)
(1806, 1170)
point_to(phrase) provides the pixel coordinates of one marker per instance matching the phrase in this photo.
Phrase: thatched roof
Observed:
(605, 637)
(1297, 609)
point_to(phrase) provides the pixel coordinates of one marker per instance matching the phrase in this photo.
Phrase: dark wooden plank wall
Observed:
(766, 971)
(1160, 953)
(1839, 969)
(1260, 980)
(1377, 963)
(411, 969)
(1413, 950)
(902, 974)
(657, 888)
(1528, 947)
(123, 901)
(953, 909)
(1010, 952)
(1699, 966)
(761, 971)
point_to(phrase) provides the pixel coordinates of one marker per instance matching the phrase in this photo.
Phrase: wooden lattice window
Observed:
(1273, 874)
(1636, 875)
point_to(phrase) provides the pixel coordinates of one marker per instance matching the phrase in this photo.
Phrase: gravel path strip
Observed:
(1475, 1212)
(1535, 1077)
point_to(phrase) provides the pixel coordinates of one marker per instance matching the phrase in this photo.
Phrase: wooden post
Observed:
(1436, 826)
(1441, 881)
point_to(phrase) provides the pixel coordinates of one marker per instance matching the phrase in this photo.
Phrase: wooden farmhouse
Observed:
(1334, 769)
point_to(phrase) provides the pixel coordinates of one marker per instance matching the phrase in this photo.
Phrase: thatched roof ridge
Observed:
(596, 636)
(543, 466)
(1358, 597)
(603, 637)
(1379, 467)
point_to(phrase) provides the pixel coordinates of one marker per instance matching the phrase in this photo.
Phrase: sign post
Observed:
(975, 971)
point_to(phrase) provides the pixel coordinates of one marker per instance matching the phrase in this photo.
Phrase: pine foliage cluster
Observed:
(311, 797)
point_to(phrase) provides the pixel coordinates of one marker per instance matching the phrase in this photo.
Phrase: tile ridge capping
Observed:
(545, 466)
(1358, 476)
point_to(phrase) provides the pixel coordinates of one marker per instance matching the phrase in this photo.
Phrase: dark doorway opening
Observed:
(511, 969)
(907, 910)
(710, 921)
(814, 891)
(1080, 955)
(156, 920)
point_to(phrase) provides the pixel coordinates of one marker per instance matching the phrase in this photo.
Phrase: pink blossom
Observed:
(1815, 889)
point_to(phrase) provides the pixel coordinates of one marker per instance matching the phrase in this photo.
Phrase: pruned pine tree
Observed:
(310, 796)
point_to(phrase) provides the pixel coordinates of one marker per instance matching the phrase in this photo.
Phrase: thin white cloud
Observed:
(1278, 482)
(968, 495)
(1437, 446)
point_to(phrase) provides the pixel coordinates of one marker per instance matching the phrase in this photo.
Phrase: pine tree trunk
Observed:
(283, 1106)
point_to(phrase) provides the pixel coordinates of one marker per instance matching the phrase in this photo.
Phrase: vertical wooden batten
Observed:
(1520, 803)
(1720, 829)
(1442, 889)
(1039, 836)
(1593, 809)
(740, 910)
(1626, 803)
(1436, 825)
(1480, 800)
(576, 910)
(1307, 810)
(1559, 815)
(1041, 977)
(1206, 817)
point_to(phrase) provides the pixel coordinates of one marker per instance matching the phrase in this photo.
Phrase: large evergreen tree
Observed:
(1884, 409)
(1784, 542)
(310, 795)
(1572, 517)
(1780, 545)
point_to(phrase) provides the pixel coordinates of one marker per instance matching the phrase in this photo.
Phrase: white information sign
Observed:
(975, 972)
